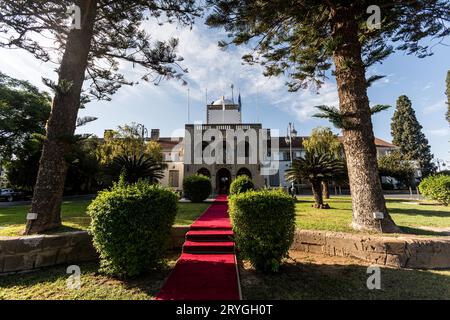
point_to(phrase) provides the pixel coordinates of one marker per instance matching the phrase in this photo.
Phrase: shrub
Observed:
(436, 187)
(263, 223)
(197, 188)
(131, 226)
(241, 184)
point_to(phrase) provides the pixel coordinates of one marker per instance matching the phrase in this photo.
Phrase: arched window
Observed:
(244, 172)
(204, 172)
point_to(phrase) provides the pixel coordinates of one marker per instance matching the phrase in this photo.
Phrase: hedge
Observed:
(131, 226)
(241, 184)
(197, 188)
(436, 187)
(264, 224)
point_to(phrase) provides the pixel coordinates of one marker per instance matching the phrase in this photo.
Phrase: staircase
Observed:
(207, 268)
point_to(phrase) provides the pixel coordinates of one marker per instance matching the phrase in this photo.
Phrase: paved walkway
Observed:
(206, 270)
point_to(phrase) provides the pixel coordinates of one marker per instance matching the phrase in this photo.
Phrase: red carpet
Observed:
(206, 269)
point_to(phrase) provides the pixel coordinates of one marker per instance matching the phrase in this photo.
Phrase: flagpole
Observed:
(188, 106)
(223, 109)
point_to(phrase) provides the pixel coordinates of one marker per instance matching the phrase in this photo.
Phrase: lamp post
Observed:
(292, 133)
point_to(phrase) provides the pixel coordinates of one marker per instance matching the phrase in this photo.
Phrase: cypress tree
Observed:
(408, 136)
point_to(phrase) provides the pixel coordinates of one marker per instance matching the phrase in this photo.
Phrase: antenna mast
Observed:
(188, 106)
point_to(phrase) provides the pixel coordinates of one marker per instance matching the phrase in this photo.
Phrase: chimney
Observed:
(154, 134)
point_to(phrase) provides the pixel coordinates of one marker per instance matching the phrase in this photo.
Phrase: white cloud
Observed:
(215, 69)
(429, 85)
(209, 67)
(443, 132)
(435, 107)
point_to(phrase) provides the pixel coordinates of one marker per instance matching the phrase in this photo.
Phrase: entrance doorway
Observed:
(223, 181)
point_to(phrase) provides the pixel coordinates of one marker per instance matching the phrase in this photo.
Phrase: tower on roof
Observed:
(223, 111)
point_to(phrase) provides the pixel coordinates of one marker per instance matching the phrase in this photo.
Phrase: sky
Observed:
(264, 100)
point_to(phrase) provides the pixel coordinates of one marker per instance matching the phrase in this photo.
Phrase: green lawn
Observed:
(320, 277)
(74, 216)
(50, 284)
(408, 216)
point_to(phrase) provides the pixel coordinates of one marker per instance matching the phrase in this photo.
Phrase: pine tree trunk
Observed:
(359, 145)
(325, 190)
(48, 191)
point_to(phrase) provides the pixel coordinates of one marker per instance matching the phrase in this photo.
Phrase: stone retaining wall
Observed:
(400, 252)
(33, 252)
(26, 253)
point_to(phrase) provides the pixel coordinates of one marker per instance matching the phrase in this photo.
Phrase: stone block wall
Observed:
(26, 253)
(33, 252)
(400, 252)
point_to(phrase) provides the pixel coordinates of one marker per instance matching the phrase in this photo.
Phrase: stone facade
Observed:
(224, 114)
(399, 252)
(226, 166)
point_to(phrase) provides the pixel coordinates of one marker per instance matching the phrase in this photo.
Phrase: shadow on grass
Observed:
(421, 212)
(301, 280)
(51, 282)
(422, 232)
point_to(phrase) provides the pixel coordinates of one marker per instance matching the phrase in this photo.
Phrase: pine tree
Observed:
(303, 39)
(447, 92)
(88, 53)
(408, 136)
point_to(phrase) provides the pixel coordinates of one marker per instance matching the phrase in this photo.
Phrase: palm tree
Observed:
(315, 167)
(134, 168)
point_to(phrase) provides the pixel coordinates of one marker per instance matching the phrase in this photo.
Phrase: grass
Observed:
(74, 216)
(51, 284)
(320, 277)
(408, 216)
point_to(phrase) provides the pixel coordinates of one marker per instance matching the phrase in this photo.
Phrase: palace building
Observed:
(224, 148)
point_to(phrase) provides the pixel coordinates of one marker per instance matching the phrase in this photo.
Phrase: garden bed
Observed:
(51, 284)
(316, 276)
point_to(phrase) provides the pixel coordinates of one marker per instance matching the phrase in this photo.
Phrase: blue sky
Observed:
(265, 100)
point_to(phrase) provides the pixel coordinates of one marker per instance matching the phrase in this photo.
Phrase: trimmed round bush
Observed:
(197, 188)
(436, 187)
(131, 227)
(241, 184)
(264, 224)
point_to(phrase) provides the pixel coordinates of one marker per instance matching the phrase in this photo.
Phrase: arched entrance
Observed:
(244, 172)
(204, 172)
(223, 181)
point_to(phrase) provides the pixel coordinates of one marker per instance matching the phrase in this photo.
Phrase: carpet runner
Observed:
(206, 269)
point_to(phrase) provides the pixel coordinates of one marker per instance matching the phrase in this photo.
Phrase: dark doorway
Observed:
(223, 181)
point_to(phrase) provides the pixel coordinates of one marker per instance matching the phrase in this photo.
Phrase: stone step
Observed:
(208, 247)
(209, 235)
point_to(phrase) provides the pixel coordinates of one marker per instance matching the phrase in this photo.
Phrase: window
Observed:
(174, 178)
